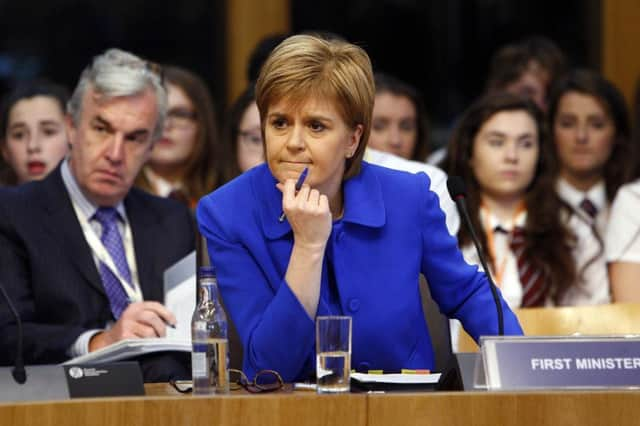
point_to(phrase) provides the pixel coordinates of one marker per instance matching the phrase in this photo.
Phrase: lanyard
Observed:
(97, 248)
(488, 231)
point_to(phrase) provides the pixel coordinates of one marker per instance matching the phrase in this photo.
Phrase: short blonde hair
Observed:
(311, 66)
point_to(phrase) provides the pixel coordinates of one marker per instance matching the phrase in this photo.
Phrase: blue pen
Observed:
(299, 183)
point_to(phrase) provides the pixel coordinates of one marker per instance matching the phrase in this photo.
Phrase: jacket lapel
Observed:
(61, 221)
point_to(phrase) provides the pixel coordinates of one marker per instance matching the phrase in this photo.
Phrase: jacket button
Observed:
(354, 305)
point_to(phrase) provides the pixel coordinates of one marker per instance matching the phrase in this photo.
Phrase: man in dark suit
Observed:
(82, 253)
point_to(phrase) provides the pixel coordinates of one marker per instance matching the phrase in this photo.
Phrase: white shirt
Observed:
(622, 239)
(505, 264)
(592, 287)
(161, 186)
(438, 181)
(84, 210)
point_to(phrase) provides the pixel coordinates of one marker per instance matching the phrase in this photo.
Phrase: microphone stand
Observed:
(19, 373)
(476, 242)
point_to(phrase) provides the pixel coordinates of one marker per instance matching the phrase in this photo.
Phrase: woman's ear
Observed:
(354, 141)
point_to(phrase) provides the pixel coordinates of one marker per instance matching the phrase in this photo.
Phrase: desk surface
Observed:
(164, 406)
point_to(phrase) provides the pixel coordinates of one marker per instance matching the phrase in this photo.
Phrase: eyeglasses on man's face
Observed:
(264, 381)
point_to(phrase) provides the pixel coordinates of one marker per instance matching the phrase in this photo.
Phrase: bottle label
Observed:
(199, 364)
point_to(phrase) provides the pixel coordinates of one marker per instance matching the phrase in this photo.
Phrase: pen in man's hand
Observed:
(299, 183)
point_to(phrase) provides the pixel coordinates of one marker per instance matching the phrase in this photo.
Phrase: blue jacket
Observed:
(392, 230)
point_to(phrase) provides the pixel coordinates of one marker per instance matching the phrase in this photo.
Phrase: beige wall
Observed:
(621, 44)
(248, 21)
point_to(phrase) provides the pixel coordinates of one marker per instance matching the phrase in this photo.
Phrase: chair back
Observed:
(616, 318)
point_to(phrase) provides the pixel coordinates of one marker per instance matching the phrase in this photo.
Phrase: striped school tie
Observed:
(532, 279)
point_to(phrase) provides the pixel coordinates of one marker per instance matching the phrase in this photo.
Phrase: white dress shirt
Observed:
(438, 181)
(161, 186)
(622, 240)
(505, 264)
(592, 287)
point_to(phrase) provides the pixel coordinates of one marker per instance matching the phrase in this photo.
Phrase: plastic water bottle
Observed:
(210, 355)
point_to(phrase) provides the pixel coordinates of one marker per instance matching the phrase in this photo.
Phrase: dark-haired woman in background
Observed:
(32, 131)
(243, 135)
(594, 157)
(399, 123)
(501, 151)
(184, 162)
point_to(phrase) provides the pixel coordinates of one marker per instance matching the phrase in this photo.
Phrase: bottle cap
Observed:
(207, 271)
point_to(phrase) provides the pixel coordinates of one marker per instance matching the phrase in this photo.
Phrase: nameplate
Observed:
(108, 379)
(513, 363)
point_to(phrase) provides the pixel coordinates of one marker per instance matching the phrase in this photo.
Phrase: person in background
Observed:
(184, 161)
(594, 156)
(527, 68)
(399, 125)
(622, 241)
(32, 133)
(622, 244)
(354, 238)
(243, 135)
(501, 150)
(82, 253)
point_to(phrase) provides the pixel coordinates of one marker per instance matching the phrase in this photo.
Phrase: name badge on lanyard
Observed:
(97, 248)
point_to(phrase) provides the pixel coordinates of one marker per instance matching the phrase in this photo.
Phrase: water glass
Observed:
(333, 353)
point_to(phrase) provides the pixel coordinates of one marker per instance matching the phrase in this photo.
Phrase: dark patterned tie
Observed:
(588, 207)
(533, 281)
(112, 241)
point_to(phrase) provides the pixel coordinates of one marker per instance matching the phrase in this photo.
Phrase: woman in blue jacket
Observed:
(356, 236)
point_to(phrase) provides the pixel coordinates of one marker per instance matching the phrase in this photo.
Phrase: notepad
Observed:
(180, 298)
(400, 381)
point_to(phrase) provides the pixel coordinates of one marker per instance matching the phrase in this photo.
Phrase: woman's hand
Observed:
(308, 214)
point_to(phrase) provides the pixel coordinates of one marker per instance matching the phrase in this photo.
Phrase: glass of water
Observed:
(333, 353)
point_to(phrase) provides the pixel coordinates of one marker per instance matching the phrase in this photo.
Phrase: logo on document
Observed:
(76, 372)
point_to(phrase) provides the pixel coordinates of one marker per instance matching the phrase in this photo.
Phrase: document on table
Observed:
(179, 298)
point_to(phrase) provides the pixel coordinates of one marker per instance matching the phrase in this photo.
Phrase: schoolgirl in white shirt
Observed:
(501, 151)
(593, 158)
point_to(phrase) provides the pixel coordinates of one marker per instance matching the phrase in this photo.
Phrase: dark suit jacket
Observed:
(49, 272)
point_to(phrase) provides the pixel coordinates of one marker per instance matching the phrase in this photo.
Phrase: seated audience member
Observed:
(184, 161)
(593, 158)
(243, 135)
(32, 134)
(501, 150)
(82, 254)
(623, 244)
(399, 123)
(355, 238)
(527, 68)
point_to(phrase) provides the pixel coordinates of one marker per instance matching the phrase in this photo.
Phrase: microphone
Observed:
(19, 373)
(458, 194)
